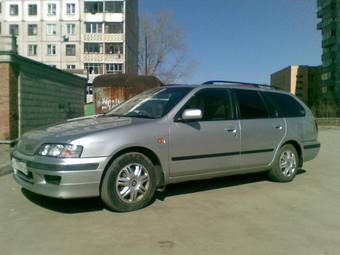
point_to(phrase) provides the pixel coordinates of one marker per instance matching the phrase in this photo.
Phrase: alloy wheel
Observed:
(132, 183)
(288, 163)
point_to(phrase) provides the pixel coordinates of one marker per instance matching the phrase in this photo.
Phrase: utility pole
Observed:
(146, 55)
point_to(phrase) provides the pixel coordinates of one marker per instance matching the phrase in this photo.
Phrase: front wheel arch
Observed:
(146, 152)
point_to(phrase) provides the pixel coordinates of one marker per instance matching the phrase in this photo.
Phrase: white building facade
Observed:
(98, 37)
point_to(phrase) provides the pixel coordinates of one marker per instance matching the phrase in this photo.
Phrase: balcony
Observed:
(103, 58)
(330, 24)
(328, 69)
(329, 82)
(328, 42)
(322, 3)
(103, 37)
(328, 55)
(328, 9)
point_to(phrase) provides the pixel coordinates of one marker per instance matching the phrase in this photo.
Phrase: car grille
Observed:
(24, 177)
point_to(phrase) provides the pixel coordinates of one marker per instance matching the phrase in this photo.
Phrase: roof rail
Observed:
(258, 85)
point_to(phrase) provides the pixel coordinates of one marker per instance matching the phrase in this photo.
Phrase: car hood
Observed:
(72, 129)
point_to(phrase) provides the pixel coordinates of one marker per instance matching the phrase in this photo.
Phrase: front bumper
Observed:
(59, 178)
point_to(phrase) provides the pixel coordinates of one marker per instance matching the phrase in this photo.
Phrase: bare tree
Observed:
(162, 51)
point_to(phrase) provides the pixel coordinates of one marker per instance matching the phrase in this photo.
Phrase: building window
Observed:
(13, 10)
(32, 49)
(114, 6)
(93, 68)
(14, 29)
(93, 28)
(113, 68)
(70, 9)
(32, 29)
(51, 29)
(71, 28)
(70, 67)
(114, 27)
(326, 76)
(51, 9)
(93, 7)
(51, 50)
(93, 48)
(70, 50)
(53, 66)
(113, 48)
(32, 9)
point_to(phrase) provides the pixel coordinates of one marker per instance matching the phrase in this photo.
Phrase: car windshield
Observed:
(151, 104)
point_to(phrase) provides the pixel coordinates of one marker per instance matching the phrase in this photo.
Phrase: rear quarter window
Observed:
(287, 105)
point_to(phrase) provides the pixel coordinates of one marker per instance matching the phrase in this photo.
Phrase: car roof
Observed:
(246, 86)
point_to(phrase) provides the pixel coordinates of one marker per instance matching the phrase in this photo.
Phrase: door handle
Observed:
(231, 130)
(279, 127)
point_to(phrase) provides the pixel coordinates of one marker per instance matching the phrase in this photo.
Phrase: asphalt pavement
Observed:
(233, 215)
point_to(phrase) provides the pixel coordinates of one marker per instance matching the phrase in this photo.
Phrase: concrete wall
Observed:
(282, 79)
(303, 81)
(132, 36)
(34, 94)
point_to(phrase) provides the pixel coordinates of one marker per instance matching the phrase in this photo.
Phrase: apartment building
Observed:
(98, 37)
(329, 13)
(301, 80)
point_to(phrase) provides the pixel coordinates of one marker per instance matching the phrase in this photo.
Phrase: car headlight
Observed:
(61, 150)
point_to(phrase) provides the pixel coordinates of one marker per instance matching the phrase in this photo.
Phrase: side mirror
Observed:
(192, 114)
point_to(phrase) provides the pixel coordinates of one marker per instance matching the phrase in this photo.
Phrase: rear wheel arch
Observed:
(298, 149)
(146, 152)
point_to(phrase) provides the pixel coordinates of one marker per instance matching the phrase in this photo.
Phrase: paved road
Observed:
(235, 215)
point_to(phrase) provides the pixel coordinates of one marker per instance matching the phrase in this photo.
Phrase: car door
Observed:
(261, 126)
(211, 144)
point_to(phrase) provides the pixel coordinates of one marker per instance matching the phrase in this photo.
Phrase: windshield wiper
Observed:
(140, 116)
(113, 115)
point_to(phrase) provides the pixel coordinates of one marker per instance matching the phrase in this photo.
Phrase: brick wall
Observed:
(4, 101)
(8, 102)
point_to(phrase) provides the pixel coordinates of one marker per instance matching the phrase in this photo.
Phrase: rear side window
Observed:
(250, 104)
(287, 105)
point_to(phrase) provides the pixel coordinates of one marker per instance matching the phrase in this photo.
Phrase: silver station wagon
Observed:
(167, 135)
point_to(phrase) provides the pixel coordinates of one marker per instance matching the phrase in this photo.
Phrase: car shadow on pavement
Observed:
(72, 206)
(67, 206)
(213, 184)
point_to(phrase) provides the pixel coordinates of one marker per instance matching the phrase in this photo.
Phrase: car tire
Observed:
(129, 183)
(285, 165)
